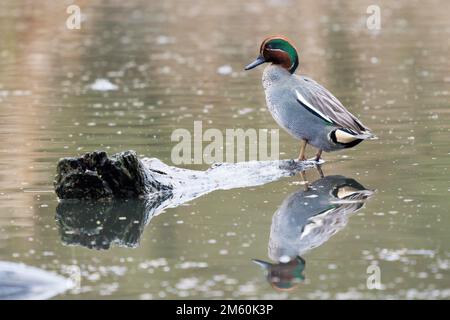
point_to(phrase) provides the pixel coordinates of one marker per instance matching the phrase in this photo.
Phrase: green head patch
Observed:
(280, 51)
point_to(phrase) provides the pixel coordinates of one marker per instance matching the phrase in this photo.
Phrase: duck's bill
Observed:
(262, 264)
(257, 62)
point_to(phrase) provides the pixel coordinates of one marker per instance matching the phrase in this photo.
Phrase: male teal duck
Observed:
(301, 106)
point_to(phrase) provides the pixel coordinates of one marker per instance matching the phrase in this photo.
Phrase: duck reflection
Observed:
(99, 225)
(305, 220)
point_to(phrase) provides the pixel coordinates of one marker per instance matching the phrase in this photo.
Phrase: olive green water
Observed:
(164, 57)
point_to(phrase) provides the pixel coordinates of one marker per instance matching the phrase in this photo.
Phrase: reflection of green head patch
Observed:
(298, 273)
(284, 285)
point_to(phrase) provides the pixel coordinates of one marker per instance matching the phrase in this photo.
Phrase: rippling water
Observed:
(174, 62)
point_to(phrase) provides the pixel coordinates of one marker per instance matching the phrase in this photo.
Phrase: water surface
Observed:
(165, 59)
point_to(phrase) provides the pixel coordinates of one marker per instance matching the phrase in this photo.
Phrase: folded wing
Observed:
(323, 104)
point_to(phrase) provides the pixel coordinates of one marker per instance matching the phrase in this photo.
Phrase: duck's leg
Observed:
(305, 185)
(318, 154)
(319, 169)
(301, 156)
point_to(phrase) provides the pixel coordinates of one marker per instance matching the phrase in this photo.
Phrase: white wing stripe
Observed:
(306, 103)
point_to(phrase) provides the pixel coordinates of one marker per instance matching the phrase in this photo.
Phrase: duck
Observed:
(303, 107)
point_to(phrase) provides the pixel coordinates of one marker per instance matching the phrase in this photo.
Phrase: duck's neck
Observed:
(274, 74)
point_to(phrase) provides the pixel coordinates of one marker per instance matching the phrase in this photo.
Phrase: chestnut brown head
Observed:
(279, 51)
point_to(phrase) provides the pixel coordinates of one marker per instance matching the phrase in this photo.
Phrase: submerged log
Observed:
(124, 175)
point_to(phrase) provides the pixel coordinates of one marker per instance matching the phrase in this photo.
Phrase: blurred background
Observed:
(172, 62)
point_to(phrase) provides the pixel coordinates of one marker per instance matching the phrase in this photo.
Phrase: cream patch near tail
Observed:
(345, 137)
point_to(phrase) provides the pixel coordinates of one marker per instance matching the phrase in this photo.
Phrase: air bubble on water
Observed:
(103, 85)
(245, 111)
(161, 40)
(187, 283)
(192, 265)
(225, 70)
